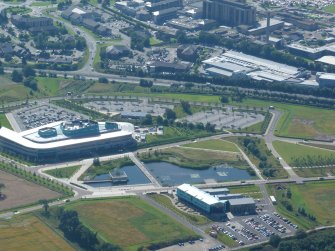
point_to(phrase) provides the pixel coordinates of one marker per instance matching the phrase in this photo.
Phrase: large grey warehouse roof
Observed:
(241, 201)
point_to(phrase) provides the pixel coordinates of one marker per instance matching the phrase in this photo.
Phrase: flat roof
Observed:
(263, 24)
(199, 194)
(21, 138)
(241, 201)
(327, 60)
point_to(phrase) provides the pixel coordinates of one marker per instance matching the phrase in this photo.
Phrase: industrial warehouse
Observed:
(240, 65)
(67, 140)
(216, 201)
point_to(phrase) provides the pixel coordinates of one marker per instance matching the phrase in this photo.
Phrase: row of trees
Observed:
(75, 231)
(313, 160)
(252, 145)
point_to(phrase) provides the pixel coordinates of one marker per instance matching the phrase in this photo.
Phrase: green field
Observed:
(302, 156)
(317, 198)
(165, 201)
(129, 222)
(64, 172)
(330, 8)
(299, 121)
(180, 113)
(49, 86)
(194, 158)
(279, 171)
(106, 167)
(28, 233)
(155, 41)
(174, 134)
(214, 144)
(4, 121)
(329, 147)
(247, 190)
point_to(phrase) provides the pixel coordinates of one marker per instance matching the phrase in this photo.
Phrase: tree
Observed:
(289, 193)
(103, 80)
(224, 99)
(147, 120)
(159, 120)
(186, 107)
(2, 71)
(45, 205)
(275, 240)
(2, 186)
(300, 234)
(17, 76)
(170, 114)
(28, 71)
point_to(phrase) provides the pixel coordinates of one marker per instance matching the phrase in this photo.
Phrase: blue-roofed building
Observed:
(201, 200)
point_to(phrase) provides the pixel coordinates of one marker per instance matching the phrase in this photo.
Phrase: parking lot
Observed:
(226, 119)
(246, 230)
(141, 105)
(35, 115)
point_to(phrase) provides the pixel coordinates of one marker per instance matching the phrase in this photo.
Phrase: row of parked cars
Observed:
(286, 221)
(259, 227)
(273, 223)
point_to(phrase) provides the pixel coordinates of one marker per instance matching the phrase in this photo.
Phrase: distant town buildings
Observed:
(229, 12)
(239, 65)
(33, 24)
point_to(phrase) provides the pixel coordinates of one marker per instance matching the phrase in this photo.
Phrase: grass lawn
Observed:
(106, 167)
(49, 86)
(173, 134)
(129, 222)
(194, 158)
(298, 155)
(165, 201)
(4, 121)
(28, 233)
(256, 128)
(330, 8)
(317, 198)
(275, 164)
(247, 190)
(40, 3)
(214, 144)
(329, 147)
(299, 121)
(65, 172)
(154, 41)
(180, 113)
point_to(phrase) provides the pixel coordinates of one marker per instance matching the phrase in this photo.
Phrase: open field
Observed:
(272, 163)
(329, 147)
(173, 134)
(214, 144)
(317, 199)
(165, 201)
(304, 157)
(106, 167)
(180, 113)
(194, 158)
(28, 233)
(247, 190)
(129, 222)
(330, 8)
(4, 121)
(20, 192)
(49, 86)
(65, 172)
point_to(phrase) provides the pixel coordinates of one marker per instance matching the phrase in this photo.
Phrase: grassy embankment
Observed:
(64, 172)
(105, 167)
(317, 199)
(263, 149)
(194, 158)
(306, 158)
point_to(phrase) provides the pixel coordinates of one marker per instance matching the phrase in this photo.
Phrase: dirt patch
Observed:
(20, 192)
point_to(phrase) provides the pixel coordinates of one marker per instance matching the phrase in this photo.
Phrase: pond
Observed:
(135, 177)
(171, 175)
